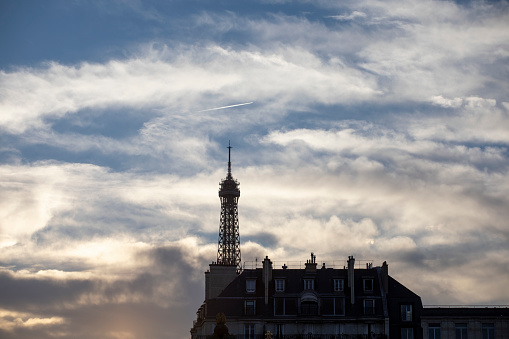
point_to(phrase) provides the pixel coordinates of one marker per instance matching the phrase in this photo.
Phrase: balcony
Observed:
(306, 336)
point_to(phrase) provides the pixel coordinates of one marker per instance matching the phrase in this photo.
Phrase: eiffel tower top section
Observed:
(229, 187)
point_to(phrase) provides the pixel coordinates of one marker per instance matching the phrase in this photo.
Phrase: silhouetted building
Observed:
(459, 322)
(312, 302)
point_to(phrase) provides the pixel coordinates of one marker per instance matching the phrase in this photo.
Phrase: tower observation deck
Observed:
(228, 251)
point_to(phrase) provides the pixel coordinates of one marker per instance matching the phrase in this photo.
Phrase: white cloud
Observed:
(59, 194)
(449, 103)
(396, 244)
(288, 76)
(10, 320)
(352, 16)
(438, 48)
(476, 120)
(425, 188)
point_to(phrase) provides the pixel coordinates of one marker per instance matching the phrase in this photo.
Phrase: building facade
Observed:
(458, 322)
(309, 302)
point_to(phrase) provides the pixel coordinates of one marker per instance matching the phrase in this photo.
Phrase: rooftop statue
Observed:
(221, 330)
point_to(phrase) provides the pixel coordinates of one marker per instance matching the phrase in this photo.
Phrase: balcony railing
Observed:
(305, 336)
(338, 264)
(466, 306)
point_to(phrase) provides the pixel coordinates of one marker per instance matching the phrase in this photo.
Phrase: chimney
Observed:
(351, 284)
(217, 278)
(267, 277)
(385, 277)
(311, 264)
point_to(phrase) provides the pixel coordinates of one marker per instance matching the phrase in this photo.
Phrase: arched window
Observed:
(309, 304)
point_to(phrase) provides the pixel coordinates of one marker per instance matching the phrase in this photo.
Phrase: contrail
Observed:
(213, 109)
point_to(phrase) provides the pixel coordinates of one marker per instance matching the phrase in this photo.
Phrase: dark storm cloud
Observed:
(263, 238)
(23, 293)
(161, 292)
(478, 247)
(106, 218)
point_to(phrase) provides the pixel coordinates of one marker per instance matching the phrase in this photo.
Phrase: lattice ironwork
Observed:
(228, 251)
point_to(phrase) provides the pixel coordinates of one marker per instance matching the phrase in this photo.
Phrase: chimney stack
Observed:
(351, 284)
(311, 264)
(267, 277)
(385, 277)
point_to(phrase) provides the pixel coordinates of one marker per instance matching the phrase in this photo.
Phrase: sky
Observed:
(378, 129)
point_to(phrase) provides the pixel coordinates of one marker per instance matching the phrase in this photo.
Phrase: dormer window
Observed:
(369, 306)
(249, 307)
(309, 284)
(406, 312)
(339, 285)
(251, 285)
(280, 285)
(368, 285)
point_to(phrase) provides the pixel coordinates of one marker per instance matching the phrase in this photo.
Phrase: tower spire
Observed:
(228, 249)
(229, 175)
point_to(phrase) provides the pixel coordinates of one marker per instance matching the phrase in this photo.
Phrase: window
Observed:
(339, 306)
(309, 284)
(280, 331)
(291, 306)
(338, 285)
(461, 331)
(279, 306)
(249, 331)
(488, 331)
(327, 306)
(280, 285)
(368, 285)
(309, 308)
(285, 306)
(369, 306)
(332, 306)
(406, 312)
(434, 331)
(249, 307)
(407, 333)
(250, 285)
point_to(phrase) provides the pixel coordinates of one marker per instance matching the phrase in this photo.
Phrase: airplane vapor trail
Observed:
(214, 109)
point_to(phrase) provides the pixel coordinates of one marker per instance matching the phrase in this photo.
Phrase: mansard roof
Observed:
(323, 278)
(465, 311)
(396, 288)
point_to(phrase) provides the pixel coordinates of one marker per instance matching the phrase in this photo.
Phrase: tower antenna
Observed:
(229, 161)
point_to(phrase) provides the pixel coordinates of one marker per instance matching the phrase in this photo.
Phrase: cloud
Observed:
(475, 119)
(11, 320)
(56, 90)
(352, 16)
(423, 190)
(82, 301)
(448, 103)
(79, 202)
(439, 49)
